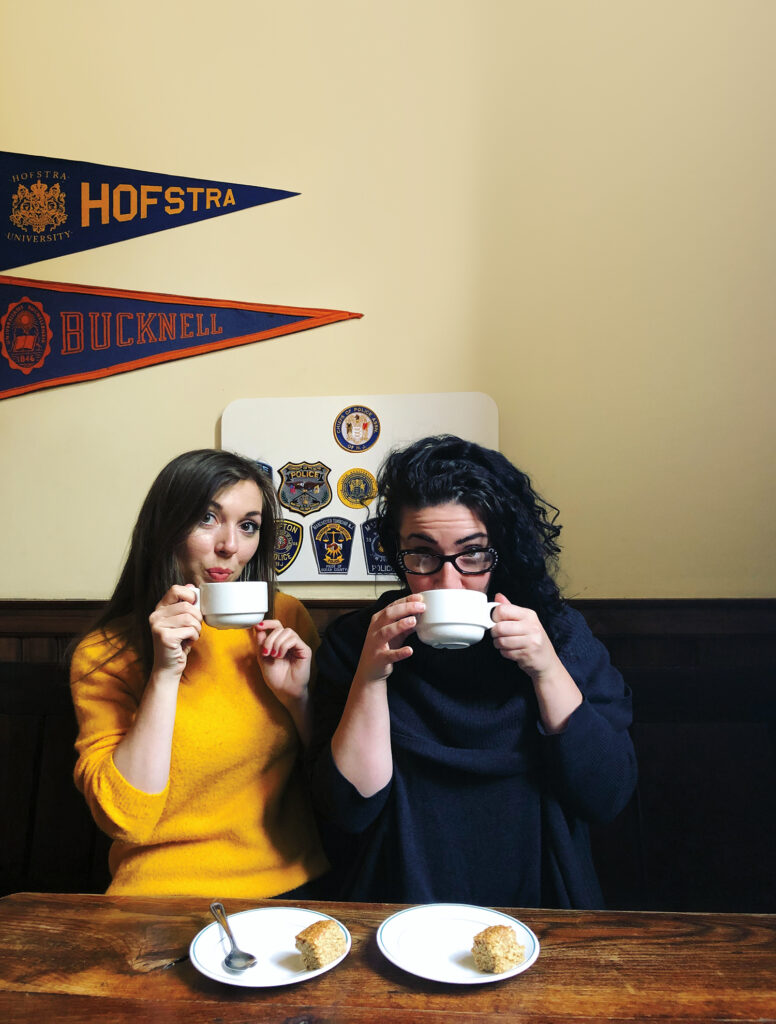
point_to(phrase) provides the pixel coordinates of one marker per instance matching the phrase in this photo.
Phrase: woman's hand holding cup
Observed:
(384, 644)
(520, 637)
(175, 623)
(285, 660)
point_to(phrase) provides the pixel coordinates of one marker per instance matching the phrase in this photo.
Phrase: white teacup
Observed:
(233, 605)
(454, 619)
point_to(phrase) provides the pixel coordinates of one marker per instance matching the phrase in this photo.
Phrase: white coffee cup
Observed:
(454, 619)
(233, 605)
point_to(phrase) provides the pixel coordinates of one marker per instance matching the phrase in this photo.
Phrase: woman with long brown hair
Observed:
(189, 736)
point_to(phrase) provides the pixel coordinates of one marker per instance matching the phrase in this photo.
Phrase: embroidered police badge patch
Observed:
(376, 561)
(333, 542)
(356, 488)
(356, 428)
(265, 468)
(304, 487)
(288, 542)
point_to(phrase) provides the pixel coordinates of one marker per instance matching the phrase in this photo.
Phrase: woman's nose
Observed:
(227, 540)
(449, 578)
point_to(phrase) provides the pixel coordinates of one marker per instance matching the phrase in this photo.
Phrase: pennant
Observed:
(51, 207)
(54, 334)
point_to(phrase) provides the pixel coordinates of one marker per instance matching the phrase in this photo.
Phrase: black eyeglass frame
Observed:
(447, 558)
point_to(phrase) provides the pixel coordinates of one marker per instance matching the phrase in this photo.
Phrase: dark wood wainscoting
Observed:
(700, 833)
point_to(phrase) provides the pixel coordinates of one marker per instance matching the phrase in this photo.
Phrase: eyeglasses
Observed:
(473, 562)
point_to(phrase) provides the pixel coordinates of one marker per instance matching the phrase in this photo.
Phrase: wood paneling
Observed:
(698, 835)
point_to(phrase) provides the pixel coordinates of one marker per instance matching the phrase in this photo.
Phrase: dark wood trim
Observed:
(607, 617)
(703, 676)
(679, 616)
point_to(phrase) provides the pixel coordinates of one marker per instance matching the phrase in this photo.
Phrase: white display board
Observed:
(323, 454)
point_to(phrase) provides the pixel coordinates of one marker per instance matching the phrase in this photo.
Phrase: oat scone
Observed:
(320, 943)
(496, 949)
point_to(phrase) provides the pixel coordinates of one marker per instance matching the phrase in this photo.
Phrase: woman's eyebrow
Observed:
(432, 540)
(255, 512)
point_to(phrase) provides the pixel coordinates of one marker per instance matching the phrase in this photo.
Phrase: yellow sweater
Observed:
(234, 819)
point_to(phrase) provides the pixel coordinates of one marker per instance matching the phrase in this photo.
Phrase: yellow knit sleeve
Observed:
(293, 613)
(106, 684)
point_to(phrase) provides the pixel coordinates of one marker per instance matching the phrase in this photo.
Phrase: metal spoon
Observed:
(235, 959)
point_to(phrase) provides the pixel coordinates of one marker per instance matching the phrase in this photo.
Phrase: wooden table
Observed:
(67, 959)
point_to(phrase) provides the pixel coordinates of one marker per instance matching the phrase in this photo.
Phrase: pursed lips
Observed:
(219, 575)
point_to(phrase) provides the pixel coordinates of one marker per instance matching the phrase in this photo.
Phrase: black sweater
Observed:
(483, 807)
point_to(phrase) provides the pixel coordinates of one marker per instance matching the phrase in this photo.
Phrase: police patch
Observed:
(356, 428)
(265, 468)
(304, 487)
(288, 542)
(356, 488)
(376, 561)
(333, 542)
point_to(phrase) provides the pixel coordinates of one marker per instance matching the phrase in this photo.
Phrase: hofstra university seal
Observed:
(25, 335)
(304, 487)
(356, 488)
(39, 207)
(356, 428)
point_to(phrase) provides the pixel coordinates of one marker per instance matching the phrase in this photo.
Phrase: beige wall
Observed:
(567, 205)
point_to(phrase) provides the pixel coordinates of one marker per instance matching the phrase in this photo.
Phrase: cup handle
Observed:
(488, 622)
(196, 596)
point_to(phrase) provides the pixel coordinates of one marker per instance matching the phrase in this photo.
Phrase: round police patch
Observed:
(356, 428)
(356, 488)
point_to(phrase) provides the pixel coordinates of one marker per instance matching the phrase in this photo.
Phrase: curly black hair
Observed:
(521, 525)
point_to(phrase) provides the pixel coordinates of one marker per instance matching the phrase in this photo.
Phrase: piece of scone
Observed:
(320, 943)
(496, 949)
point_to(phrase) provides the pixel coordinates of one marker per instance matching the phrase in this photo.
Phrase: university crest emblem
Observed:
(304, 487)
(39, 207)
(288, 541)
(25, 335)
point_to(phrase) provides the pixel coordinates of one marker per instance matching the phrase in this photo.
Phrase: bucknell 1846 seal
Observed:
(304, 487)
(356, 428)
(25, 335)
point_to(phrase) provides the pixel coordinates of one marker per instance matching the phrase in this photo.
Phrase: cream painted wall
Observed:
(566, 205)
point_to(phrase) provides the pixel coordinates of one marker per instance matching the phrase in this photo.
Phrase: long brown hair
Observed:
(175, 504)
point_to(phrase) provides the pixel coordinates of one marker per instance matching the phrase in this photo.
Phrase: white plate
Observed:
(435, 942)
(270, 934)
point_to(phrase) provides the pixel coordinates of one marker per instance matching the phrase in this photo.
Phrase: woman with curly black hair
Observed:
(468, 775)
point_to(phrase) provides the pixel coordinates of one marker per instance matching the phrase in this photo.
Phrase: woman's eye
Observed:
(474, 557)
(250, 527)
(208, 519)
